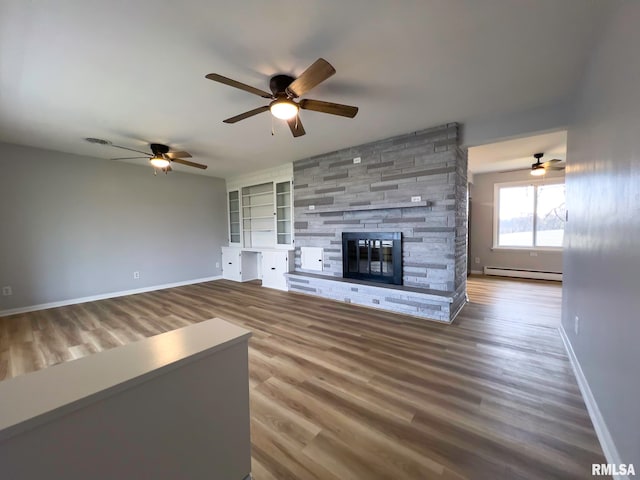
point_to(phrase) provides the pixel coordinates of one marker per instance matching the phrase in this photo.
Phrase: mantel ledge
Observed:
(360, 208)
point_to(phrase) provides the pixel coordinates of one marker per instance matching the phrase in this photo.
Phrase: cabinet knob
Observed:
(230, 263)
(273, 268)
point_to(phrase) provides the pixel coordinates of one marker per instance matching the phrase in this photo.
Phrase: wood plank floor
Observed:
(344, 392)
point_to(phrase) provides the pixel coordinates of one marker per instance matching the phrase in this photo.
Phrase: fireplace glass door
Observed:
(376, 257)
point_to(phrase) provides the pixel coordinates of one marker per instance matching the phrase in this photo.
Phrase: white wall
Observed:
(491, 129)
(602, 257)
(481, 228)
(76, 226)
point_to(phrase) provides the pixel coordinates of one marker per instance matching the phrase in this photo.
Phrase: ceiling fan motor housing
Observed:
(279, 83)
(159, 149)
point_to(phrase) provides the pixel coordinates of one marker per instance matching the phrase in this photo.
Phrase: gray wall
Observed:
(601, 259)
(75, 226)
(481, 229)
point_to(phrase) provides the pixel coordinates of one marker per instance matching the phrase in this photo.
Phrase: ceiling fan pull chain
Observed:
(272, 131)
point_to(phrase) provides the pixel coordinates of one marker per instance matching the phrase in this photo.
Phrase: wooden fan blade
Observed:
(318, 72)
(296, 126)
(130, 149)
(554, 168)
(189, 164)
(173, 155)
(242, 86)
(128, 158)
(248, 114)
(328, 107)
(550, 162)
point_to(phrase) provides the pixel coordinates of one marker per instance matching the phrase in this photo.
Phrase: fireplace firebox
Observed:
(372, 256)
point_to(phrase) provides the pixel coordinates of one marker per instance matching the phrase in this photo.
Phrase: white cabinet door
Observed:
(274, 266)
(311, 258)
(232, 263)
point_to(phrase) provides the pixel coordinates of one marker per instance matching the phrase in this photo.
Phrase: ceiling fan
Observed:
(160, 157)
(284, 90)
(539, 168)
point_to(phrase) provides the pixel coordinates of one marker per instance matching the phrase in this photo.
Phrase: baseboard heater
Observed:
(514, 272)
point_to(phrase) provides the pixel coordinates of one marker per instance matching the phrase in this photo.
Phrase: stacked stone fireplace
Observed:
(413, 186)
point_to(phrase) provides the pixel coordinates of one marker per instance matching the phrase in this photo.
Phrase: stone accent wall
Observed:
(332, 194)
(462, 230)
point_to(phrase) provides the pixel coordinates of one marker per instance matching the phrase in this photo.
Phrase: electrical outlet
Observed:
(533, 254)
(416, 199)
(357, 160)
(136, 275)
(217, 264)
(312, 207)
(6, 291)
(477, 260)
(576, 325)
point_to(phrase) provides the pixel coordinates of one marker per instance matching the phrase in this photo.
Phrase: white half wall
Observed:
(75, 227)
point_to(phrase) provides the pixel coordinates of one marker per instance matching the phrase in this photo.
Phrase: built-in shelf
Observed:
(251, 205)
(234, 217)
(358, 208)
(261, 216)
(248, 195)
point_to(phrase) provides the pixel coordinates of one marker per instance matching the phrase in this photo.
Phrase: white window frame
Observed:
(496, 212)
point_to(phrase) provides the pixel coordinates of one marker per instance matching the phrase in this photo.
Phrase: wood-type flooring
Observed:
(341, 392)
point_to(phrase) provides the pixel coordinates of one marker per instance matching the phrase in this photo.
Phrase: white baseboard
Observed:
(604, 436)
(532, 274)
(102, 296)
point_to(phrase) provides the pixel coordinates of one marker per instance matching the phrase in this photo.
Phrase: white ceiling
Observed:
(133, 71)
(518, 153)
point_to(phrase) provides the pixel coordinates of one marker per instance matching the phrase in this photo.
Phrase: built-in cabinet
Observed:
(283, 214)
(234, 217)
(270, 265)
(261, 216)
(275, 264)
(260, 227)
(238, 265)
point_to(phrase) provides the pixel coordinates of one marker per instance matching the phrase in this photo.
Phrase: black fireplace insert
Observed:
(372, 256)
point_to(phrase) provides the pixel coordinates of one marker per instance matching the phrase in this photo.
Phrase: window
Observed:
(529, 215)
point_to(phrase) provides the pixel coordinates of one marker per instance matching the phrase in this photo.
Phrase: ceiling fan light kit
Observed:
(537, 171)
(284, 90)
(158, 161)
(283, 108)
